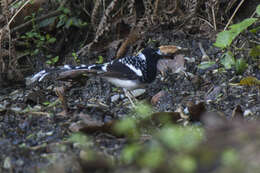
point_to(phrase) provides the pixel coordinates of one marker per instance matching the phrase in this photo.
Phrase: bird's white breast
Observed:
(123, 83)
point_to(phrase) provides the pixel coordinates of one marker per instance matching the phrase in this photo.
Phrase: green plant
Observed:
(37, 41)
(224, 41)
(66, 20)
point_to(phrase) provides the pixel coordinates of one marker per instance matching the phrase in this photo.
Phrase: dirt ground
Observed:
(35, 130)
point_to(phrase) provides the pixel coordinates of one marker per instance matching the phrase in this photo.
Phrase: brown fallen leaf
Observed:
(90, 125)
(196, 111)
(161, 118)
(174, 65)
(169, 49)
(133, 36)
(60, 92)
(155, 99)
(237, 113)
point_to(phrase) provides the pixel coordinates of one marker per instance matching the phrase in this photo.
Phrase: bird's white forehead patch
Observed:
(142, 56)
(138, 72)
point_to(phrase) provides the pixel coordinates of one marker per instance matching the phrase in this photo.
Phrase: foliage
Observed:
(250, 81)
(100, 60)
(66, 20)
(225, 38)
(224, 41)
(38, 41)
(206, 64)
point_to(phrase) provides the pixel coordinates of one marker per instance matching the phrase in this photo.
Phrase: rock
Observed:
(114, 98)
(7, 163)
(138, 92)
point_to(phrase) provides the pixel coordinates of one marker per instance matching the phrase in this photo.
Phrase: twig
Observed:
(10, 21)
(231, 18)
(206, 22)
(39, 113)
(204, 55)
(214, 18)
(51, 14)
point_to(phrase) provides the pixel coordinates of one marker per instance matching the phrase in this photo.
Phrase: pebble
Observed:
(114, 98)
(7, 163)
(247, 112)
(138, 92)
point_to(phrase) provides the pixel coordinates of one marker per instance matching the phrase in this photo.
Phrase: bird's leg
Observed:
(128, 95)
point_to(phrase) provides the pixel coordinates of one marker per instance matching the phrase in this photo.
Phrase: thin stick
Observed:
(214, 18)
(231, 18)
(18, 12)
(204, 55)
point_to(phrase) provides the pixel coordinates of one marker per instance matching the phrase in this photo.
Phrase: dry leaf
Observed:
(250, 81)
(237, 113)
(90, 125)
(175, 65)
(155, 99)
(169, 49)
(196, 111)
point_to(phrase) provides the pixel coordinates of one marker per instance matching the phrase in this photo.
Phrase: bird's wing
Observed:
(120, 70)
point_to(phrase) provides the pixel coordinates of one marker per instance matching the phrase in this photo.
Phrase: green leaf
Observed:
(52, 40)
(152, 158)
(129, 152)
(255, 52)
(258, 10)
(100, 59)
(62, 19)
(241, 65)
(180, 138)
(228, 60)
(48, 62)
(206, 64)
(225, 38)
(69, 23)
(144, 110)
(239, 27)
(186, 163)
(46, 103)
(47, 22)
(55, 59)
(126, 125)
(66, 10)
(79, 138)
(229, 157)
(255, 30)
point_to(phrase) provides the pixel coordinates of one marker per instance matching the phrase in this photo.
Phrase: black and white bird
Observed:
(129, 73)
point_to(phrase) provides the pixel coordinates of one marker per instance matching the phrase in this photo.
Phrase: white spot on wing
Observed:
(138, 72)
(89, 67)
(66, 67)
(42, 77)
(38, 75)
(142, 56)
(104, 67)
